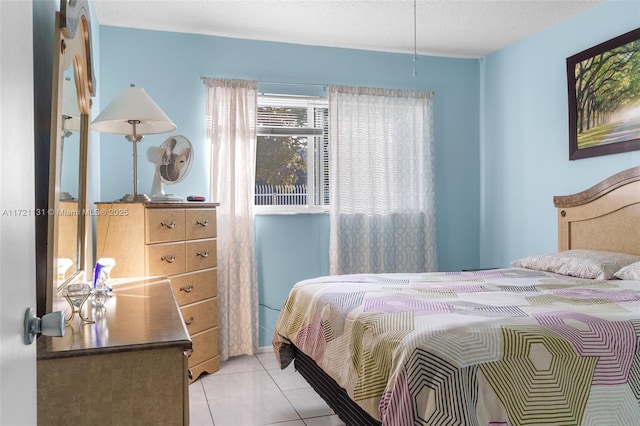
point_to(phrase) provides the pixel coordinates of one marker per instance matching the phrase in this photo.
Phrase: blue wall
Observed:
(524, 149)
(169, 66)
(281, 239)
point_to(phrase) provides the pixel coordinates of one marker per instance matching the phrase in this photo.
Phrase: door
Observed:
(17, 226)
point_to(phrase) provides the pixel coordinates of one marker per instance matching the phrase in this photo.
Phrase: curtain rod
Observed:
(203, 78)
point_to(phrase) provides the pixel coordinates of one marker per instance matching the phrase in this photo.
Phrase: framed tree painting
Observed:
(604, 98)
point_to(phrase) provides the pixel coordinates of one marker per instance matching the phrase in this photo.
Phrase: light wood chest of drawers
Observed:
(177, 240)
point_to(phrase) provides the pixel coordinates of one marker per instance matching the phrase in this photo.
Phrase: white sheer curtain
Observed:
(382, 186)
(231, 130)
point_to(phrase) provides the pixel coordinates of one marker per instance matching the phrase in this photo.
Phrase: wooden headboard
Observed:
(603, 217)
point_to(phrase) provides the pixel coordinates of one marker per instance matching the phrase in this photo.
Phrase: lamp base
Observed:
(135, 198)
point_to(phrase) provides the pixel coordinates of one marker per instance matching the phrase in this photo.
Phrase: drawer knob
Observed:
(187, 289)
(168, 225)
(189, 322)
(204, 254)
(169, 259)
(201, 223)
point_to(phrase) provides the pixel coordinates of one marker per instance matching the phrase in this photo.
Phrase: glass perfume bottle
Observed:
(100, 294)
(100, 286)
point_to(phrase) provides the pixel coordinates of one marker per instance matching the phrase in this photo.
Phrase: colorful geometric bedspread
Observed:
(498, 347)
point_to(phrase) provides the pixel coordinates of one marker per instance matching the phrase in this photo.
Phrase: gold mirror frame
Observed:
(73, 54)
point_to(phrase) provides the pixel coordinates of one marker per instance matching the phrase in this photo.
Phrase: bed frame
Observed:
(335, 396)
(603, 217)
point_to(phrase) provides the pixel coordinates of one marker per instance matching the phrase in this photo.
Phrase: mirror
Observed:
(68, 260)
(73, 87)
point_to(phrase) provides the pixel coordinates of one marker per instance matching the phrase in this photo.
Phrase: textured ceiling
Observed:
(452, 28)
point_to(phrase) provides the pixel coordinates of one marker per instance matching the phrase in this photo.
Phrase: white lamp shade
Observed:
(133, 103)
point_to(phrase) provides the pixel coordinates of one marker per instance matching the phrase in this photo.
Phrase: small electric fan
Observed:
(173, 161)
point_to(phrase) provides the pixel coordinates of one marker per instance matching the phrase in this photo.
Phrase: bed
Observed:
(551, 340)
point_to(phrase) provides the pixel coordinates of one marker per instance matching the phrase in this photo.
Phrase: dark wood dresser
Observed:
(128, 368)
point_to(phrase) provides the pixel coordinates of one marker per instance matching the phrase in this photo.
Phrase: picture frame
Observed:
(604, 98)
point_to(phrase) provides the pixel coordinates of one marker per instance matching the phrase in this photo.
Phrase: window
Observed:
(292, 158)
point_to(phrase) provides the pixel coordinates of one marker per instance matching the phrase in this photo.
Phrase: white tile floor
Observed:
(253, 390)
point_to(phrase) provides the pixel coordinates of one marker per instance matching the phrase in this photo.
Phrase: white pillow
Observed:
(629, 272)
(592, 264)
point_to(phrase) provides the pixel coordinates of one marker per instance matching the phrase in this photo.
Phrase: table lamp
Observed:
(133, 113)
